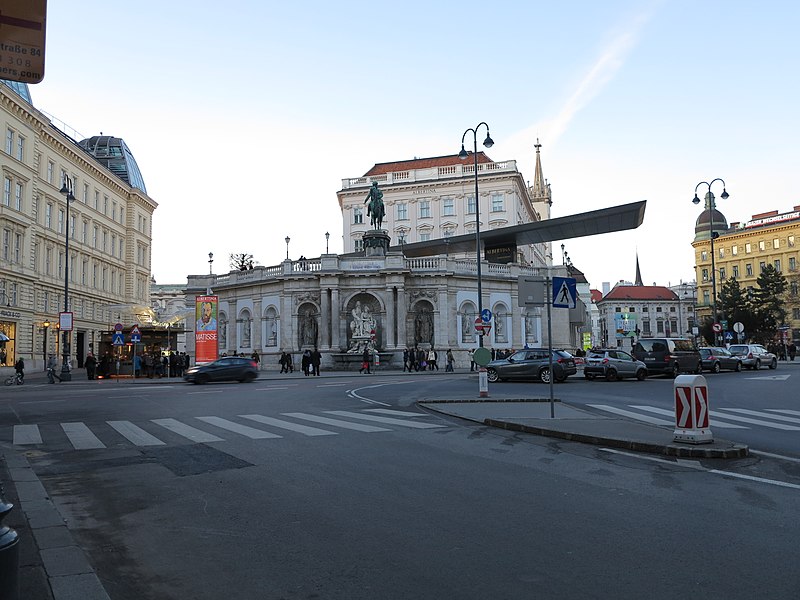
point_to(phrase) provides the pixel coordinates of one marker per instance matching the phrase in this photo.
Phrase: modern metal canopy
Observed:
(595, 222)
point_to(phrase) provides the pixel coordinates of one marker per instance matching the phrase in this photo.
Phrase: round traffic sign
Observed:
(118, 327)
(482, 356)
(486, 315)
(717, 327)
(738, 327)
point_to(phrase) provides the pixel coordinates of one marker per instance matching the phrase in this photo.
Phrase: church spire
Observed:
(638, 272)
(541, 190)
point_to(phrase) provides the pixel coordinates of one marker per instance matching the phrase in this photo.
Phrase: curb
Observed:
(735, 451)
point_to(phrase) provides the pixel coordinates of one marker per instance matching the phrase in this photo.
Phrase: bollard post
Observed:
(691, 410)
(9, 554)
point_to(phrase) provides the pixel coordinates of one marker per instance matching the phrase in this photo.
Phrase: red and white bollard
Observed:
(691, 410)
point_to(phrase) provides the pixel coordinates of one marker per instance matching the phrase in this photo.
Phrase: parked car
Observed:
(532, 364)
(613, 364)
(754, 356)
(227, 368)
(670, 356)
(717, 359)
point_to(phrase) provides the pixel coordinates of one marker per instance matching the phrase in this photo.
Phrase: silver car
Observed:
(613, 364)
(754, 356)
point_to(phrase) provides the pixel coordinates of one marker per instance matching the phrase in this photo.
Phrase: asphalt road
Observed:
(416, 506)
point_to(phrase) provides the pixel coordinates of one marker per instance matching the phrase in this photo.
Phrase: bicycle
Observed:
(15, 378)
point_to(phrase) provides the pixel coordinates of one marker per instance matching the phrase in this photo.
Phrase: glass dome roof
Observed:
(114, 153)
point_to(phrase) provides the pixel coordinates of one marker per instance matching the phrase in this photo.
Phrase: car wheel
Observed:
(738, 368)
(641, 374)
(716, 368)
(611, 375)
(544, 375)
(248, 378)
(676, 370)
(492, 376)
(201, 379)
(758, 364)
(773, 364)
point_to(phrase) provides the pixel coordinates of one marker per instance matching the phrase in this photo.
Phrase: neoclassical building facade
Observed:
(411, 302)
(108, 224)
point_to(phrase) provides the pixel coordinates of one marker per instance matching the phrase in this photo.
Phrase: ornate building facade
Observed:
(109, 228)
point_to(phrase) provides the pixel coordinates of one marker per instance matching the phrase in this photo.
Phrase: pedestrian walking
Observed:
(433, 357)
(365, 361)
(449, 362)
(305, 362)
(316, 359)
(256, 359)
(792, 351)
(406, 362)
(91, 366)
(471, 355)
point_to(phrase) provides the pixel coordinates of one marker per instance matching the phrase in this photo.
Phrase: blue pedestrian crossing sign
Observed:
(486, 315)
(565, 292)
(118, 339)
(728, 335)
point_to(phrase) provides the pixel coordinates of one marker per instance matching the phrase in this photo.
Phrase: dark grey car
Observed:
(717, 359)
(227, 368)
(613, 364)
(532, 364)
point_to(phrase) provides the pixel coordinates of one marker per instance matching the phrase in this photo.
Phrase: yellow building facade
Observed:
(742, 250)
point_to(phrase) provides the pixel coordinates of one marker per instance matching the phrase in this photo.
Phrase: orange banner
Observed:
(205, 331)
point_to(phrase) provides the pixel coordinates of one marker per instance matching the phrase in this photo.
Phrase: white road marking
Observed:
(632, 415)
(387, 420)
(698, 467)
(187, 431)
(771, 377)
(27, 434)
(756, 413)
(398, 413)
(785, 411)
(778, 456)
(711, 422)
(336, 422)
(81, 437)
(134, 434)
(251, 432)
(296, 427)
(715, 413)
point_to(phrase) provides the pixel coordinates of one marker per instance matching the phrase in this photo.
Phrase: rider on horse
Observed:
(375, 206)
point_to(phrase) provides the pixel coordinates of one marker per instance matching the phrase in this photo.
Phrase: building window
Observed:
(121, 247)
(17, 247)
(748, 268)
(671, 309)
(498, 202)
(60, 264)
(704, 255)
(776, 243)
(84, 271)
(18, 196)
(9, 141)
(359, 245)
(792, 263)
(646, 327)
(48, 262)
(113, 211)
(658, 309)
(358, 216)
(113, 244)
(705, 274)
(60, 220)
(401, 211)
(84, 231)
(618, 309)
(761, 266)
(762, 246)
(778, 265)
(735, 269)
(705, 298)
(471, 205)
(796, 314)
(659, 326)
(735, 250)
(85, 193)
(645, 309)
(105, 205)
(94, 237)
(748, 248)
(6, 243)
(722, 273)
(96, 199)
(20, 148)
(448, 207)
(793, 288)
(424, 209)
(48, 216)
(424, 237)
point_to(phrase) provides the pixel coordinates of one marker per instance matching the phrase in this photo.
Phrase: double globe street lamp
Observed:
(710, 206)
(463, 155)
(66, 189)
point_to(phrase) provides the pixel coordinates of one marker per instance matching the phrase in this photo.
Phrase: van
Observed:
(669, 356)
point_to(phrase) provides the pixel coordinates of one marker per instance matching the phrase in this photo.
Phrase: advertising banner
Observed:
(625, 324)
(205, 331)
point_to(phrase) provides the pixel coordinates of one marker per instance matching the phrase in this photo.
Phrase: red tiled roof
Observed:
(424, 163)
(640, 292)
(597, 295)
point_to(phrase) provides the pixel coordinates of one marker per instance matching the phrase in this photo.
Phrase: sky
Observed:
(245, 116)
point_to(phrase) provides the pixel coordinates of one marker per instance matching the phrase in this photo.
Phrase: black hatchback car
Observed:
(669, 356)
(717, 359)
(227, 368)
(532, 364)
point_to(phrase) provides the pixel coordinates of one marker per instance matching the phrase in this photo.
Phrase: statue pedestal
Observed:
(376, 242)
(359, 342)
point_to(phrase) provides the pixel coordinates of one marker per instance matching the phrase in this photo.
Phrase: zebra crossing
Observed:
(721, 418)
(199, 430)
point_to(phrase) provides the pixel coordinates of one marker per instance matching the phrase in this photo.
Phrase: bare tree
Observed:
(242, 261)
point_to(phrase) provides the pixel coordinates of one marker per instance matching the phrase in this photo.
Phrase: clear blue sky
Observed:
(244, 116)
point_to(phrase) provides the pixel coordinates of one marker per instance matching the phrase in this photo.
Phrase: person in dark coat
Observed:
(365, 361)
(316, 359)
(91, 366)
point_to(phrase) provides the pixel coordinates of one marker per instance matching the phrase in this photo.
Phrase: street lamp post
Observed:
(66, 189)
(287, 240)
(711, 207)
(488, 143)
(327, 238)
(210, 262)
(45, 327)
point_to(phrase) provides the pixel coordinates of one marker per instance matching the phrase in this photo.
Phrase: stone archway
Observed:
(307, 325)
(364, 319)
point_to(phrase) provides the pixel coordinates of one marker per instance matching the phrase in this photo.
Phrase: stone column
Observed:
(389, 321)
(402, 312)
(257, 341)
(335, 311)
(325, 320)
(286, 324)
(441, 336)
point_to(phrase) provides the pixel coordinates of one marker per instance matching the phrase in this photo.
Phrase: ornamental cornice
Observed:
(420, 294)
(304, 297)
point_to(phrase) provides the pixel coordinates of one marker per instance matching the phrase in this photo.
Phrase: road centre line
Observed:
(663, 411)
(687, 464)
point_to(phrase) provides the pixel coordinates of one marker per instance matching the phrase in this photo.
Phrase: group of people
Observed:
(418, 359)
(782, 351)
(155, 365)
(309, 362)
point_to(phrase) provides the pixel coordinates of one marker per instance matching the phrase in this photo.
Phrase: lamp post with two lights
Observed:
(67, 189)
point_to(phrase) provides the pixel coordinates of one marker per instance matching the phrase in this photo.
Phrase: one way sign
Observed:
(565, 292)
